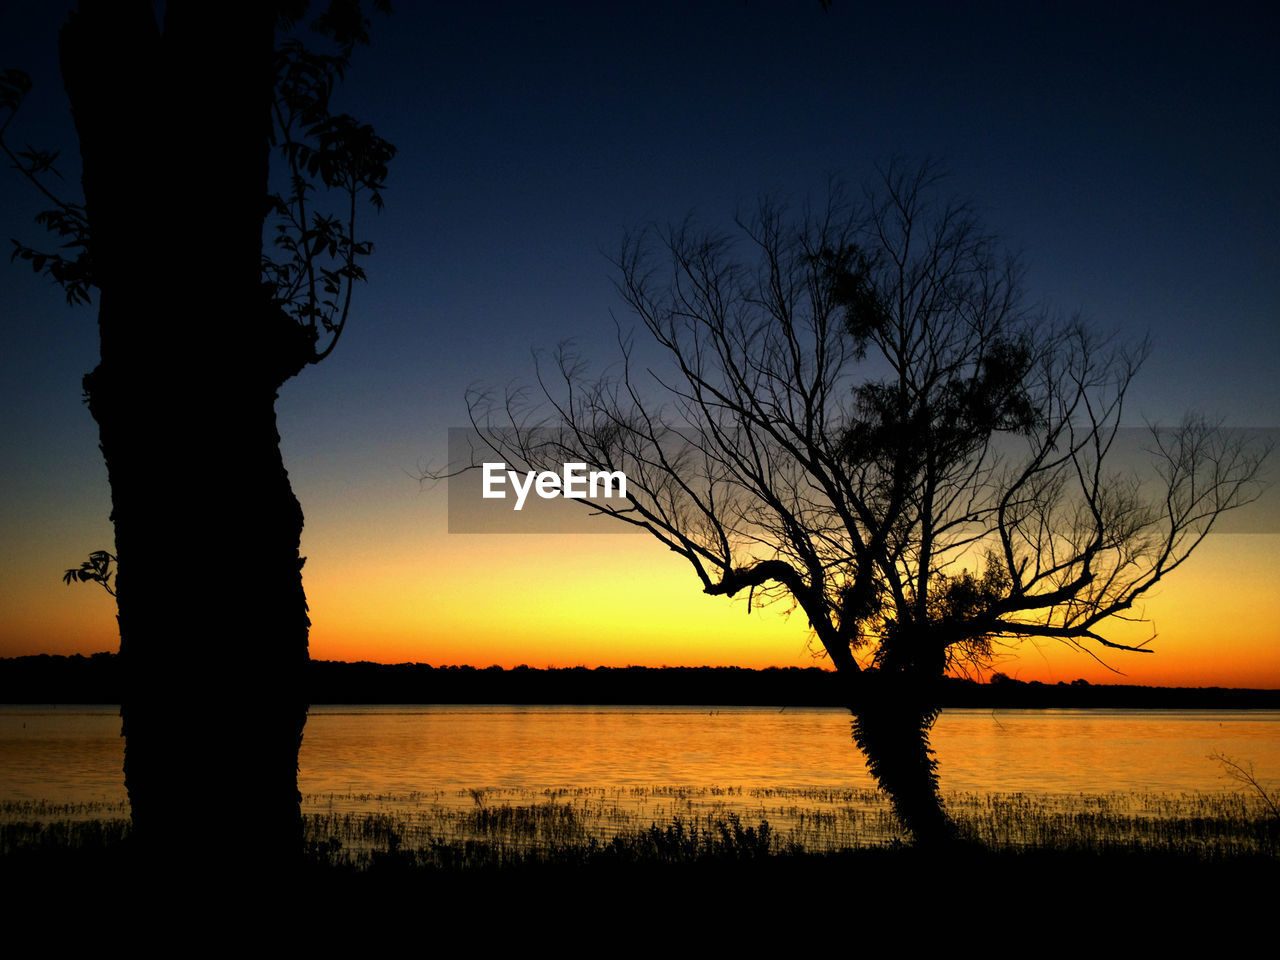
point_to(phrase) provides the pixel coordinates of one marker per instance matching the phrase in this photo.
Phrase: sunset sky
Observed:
(1130, 157)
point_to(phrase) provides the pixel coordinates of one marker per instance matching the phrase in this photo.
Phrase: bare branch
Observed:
(1240, 773)
(858, 414)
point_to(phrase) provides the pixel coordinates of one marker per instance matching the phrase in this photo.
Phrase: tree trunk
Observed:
(212, 617)
(174, 133)
(893, 713)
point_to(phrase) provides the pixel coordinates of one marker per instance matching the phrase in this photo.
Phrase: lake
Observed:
(69, 755)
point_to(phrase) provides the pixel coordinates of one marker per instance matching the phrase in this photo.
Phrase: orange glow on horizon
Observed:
(391, 592)
(624, 601)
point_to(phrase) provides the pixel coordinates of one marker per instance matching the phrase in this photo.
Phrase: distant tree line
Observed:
(97, 679)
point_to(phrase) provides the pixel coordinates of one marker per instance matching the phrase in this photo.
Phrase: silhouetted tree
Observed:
(860, 416)
(178, 120)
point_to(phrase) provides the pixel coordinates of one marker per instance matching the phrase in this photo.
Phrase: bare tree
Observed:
(859, 415)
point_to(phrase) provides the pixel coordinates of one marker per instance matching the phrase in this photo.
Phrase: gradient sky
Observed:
(1129, 151)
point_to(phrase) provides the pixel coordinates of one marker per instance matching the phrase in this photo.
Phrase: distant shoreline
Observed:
(46, 678)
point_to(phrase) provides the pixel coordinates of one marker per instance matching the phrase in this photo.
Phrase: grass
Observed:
(485, 828)
(605, 866)
(675, 870)
(492, 829)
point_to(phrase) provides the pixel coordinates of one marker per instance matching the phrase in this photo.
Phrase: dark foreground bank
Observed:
(614, 902)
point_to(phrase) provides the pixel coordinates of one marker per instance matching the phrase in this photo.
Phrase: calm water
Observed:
(73, 755)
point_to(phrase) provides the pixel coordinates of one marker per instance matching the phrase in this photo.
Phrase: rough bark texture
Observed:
(892, 716)
(173, 124)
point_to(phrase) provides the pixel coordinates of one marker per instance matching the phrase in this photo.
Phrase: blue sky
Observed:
(1128, 151)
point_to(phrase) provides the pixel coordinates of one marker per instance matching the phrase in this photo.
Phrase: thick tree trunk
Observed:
(213, 619)
(173, 127)
(893, 713)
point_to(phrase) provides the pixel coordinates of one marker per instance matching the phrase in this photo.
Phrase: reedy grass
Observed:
(482, 829)
(680, 823)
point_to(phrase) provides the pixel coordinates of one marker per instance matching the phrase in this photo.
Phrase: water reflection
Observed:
(71, 755)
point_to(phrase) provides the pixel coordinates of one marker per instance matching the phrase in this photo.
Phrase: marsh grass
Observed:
(482, 828)
(490, 828)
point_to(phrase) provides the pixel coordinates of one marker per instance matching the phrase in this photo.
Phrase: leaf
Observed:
(14, 86)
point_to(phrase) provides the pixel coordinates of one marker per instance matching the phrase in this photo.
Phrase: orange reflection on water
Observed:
(74, 755)
(452, 749)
